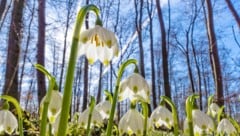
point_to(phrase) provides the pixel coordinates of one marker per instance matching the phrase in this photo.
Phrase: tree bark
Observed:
(41, 49)
(85, 86)
(154, 97)
(13, 54)
(99, 84)
(216, 66)
(233, 11)
(138, 23)
(2, 8)
(167, 88)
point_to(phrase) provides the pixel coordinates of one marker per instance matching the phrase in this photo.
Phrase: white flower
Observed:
(131, 123)
(202, 121)
(8, 122)
(226, 127)
(98, 43)
(95, 120)
(161, 116)
(135, 87)
(213, 109)
(55, 125)
(54, 106)
(104, 108)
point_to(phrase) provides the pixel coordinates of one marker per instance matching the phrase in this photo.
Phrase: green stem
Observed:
(43, 124)
(62, 129)
(19, 111)
(43, 114)
(174, 113)
(115, 95)
(189, 107)
(145, 114)
(92, 104)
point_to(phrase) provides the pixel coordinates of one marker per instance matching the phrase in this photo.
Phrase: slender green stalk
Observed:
(19, 111)
(62, 129)
(43, 113)
(92, 104)
(145, 114)
(189, 107)
(115, 95)
(174, 114)
(43, 124)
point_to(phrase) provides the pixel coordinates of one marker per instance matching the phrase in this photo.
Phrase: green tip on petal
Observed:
(84, 40)
(90, 61)
(106, 63)
(109, 43)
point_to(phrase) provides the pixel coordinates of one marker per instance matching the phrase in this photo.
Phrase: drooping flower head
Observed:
(202, 121)
(135, 87)
(104, 109)
(162, 117)
(55, 105)
(8, 122)
(213, 109)
(98, 43)
(96, 120)
(225, 127)
(131, 123)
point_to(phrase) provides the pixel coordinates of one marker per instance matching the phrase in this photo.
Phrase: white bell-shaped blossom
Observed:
(54, 106)
(162, 117)
(96, 119)
(104, 108)
(213, 109)
(132, 122)
(226, 127)
(98, 43)
(202, 121)
(135, 87)
(8, 122)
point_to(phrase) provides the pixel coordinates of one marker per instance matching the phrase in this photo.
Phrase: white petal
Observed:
(55, 105)
(214, 109)
(131, 122)
(161, 116)
(91, 53)
(225, 126)
(202, 120)
(96, 118)
(104, 108)
(9, 121)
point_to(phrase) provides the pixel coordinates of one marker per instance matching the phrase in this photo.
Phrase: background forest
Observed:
(182, 47)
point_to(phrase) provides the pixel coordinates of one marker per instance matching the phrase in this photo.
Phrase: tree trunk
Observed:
(41, 49)
(138, 23)
(13, 54)
(99, 84)
(164, 52)
(85, 86)
(69, 5)
(216, 66)
(233, 11)
(154, 97)
(2, 8)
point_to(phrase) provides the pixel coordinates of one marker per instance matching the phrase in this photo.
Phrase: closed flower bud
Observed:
(226, 127)
(8, 122)
(96, 119)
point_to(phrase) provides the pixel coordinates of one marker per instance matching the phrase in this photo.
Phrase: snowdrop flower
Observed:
(55, 125)
(135, 87)
(162, 117)
(226, 127)
(96, 118)
(8, 122)
(98, 43)
(202, 121)
(104, 108)
(131, 123)
(213, 109)
(55, 105)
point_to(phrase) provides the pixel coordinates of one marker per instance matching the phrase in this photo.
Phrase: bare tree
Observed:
(233, 11)
(138, 23)
(2, 8)
(13, 54)
(214, 57)
(167, 88)
(41, 49)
